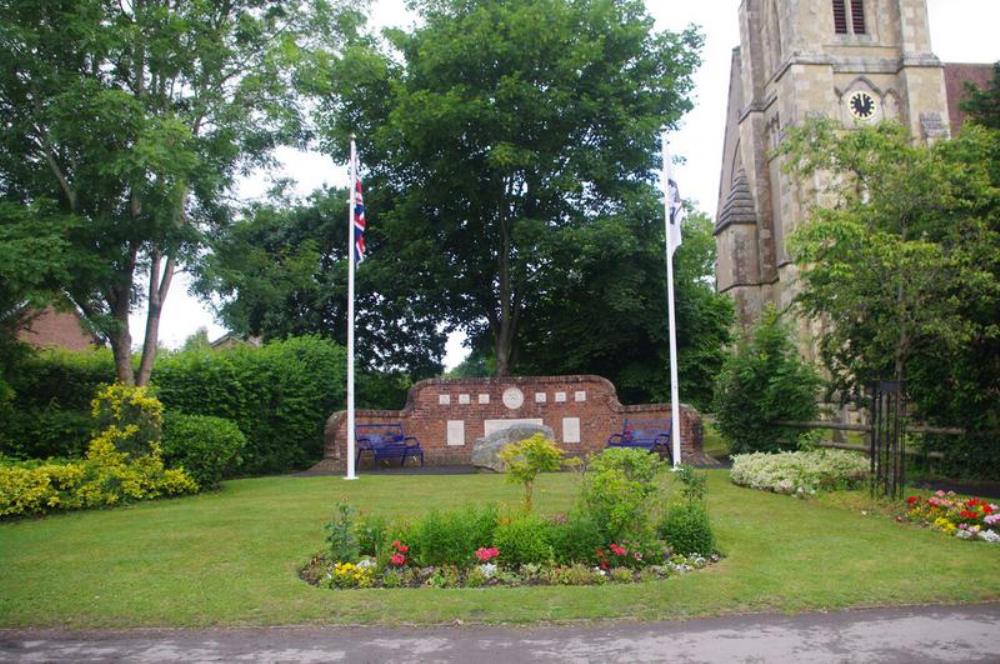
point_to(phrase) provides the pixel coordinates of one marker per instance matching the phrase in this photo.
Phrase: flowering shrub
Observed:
(800, 473)
(123, 463)
(973, 518)
(349, 575)
(398, 558)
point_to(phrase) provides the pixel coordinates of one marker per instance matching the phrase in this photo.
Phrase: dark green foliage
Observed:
(381, 391)
(610, 316)
(282, 272)
(342, 542)
(686, 528)
(983, 106)
(504, 140)
(576, 539)
(523, 540)
(279, 395)
(61, 379)
(47, 432)
(451, 538)
(763, 382)
(208, 448)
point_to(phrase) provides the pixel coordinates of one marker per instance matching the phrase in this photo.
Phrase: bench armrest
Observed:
(415, 443)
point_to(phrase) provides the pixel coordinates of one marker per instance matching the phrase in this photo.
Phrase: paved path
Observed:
(968, 633)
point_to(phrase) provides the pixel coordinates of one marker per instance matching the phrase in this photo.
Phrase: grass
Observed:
(231, 558)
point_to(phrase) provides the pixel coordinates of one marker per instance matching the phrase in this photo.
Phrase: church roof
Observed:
(739, 207)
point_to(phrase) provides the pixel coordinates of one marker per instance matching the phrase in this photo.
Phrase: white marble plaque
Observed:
(513, 398)
(463, 399)
(444, 399)
(491, 426)
(484, 398)
(580, 395)
(560, 397)
(571, 429)
(456, 433)
(540, 397)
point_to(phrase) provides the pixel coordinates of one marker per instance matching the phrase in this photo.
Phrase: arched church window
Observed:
(858, 16)
(840, 16)
(849, 17)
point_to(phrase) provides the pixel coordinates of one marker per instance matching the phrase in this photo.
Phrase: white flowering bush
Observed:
(800, 473)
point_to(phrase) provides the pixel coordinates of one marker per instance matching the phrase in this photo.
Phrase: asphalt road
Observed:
(967, 633)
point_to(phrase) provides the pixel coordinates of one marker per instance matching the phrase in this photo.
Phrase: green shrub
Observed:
(373, 534)
(576, 539)
(763, 382)
(800, 472)
(279, 395)
(45, 432)
(128, 416)
(686, 528)
(342, 542)
(618, 489)
(522, 541)
(451, 538)
(105, 477)
(62, 379)
(525, 459)
(207, 447)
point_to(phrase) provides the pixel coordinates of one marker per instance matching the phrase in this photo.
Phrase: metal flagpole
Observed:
(352, 176)
(675, 408)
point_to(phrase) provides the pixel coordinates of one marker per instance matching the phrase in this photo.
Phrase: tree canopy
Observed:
(124, 126)
(906, 264)
(511, 144)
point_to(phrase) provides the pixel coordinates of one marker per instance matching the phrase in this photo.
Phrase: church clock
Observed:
(862, 105)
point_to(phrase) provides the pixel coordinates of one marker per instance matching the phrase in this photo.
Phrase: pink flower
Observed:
(487, 554)
(398, 559)
(618, 550)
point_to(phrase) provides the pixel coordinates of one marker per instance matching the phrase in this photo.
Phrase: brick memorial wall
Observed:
(448, 415)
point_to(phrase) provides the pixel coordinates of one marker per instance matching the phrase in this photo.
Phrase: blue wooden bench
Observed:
(652, 435)
(386, 441)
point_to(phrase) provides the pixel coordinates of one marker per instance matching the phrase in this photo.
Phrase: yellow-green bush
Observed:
(123, 463)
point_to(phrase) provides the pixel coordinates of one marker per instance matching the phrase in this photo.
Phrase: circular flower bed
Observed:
(625, 529)
(969, 519)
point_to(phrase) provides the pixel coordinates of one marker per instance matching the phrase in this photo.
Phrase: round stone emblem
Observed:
(513, 398)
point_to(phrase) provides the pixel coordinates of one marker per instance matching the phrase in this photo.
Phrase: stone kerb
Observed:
(449, 415)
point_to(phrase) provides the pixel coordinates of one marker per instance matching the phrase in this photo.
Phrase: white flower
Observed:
(366, 563)
(488, 569)
(989, 536)
(964, 534)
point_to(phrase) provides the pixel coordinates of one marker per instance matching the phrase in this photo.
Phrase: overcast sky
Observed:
(961, 31)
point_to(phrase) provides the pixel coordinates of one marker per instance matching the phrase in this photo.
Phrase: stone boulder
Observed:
(485, 450)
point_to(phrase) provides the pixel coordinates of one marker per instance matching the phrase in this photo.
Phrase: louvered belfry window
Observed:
(858, 16)
(840, 16)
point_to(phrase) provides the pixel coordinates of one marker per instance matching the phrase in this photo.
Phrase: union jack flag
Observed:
(359, 216)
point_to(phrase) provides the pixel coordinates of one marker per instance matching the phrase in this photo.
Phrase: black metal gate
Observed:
(888, 438)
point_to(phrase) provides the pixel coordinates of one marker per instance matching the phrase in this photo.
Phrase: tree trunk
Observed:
(121, 339)
(158, 289)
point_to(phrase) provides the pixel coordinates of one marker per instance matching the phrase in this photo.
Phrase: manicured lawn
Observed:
(230, 558)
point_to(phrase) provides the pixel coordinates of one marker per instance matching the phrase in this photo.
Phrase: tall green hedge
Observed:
(279, 395)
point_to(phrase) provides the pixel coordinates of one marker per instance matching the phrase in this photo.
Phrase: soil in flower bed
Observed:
(324, 573)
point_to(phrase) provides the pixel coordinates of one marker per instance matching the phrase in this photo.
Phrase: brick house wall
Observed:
(57, 329)
(448, 415)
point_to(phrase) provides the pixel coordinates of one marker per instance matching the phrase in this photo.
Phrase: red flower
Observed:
(618, 550)
(966, 514)
(987, 509)
(398, 559)
(402, 548)
(913, 500)
(487, 554)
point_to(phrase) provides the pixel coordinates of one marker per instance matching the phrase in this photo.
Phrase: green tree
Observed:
(763, 382)
(131, 119)
(606, 313)
(281, 271)
(525, 459)
(983, 106)
(499, 133)
(906, 267)
(908, 251)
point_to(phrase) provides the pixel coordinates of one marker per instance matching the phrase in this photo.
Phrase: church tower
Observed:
(856, 61)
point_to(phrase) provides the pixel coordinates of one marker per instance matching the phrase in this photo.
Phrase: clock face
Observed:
(862, 105)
